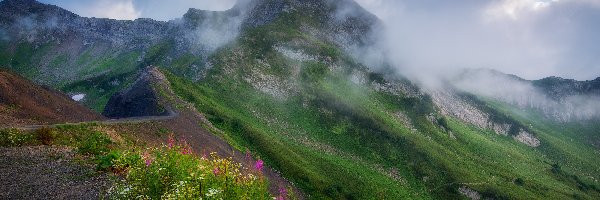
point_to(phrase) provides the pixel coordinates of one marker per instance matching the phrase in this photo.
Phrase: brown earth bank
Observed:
(25, 103)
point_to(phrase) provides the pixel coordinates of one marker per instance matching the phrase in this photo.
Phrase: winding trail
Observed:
(130, 120)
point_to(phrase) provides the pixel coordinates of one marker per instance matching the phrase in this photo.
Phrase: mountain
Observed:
(556, 99)
(285, 79)
(24, 103)
(559, 88)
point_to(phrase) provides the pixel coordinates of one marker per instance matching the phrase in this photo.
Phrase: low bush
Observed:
(95, 144)
(45, 135)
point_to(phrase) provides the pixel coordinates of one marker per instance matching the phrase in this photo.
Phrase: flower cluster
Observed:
(173, 172)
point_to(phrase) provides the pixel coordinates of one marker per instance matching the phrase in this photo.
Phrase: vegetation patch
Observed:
(170, 171)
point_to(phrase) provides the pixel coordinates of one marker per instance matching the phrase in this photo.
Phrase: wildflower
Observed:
(216, 171)
(212, 192)
(248, 156)
(259, 165)
(147, 158)
(185, 149)
(170, 141)
(282, 194)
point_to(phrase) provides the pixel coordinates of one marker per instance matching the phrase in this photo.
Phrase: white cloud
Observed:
(529, 38)
(515, 9)
(171, 9)
(113, 9)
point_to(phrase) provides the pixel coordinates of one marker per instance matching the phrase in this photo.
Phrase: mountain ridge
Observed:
(291, 88)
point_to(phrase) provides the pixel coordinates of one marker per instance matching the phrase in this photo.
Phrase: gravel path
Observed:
(47, 172)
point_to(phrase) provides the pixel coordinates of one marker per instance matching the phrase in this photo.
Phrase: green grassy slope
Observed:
(339, 139)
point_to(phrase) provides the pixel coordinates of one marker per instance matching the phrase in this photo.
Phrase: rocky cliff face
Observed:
(559, 88)
(470, 110)
(139, 100)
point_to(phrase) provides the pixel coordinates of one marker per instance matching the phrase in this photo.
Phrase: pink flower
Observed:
(170, 141)
(282, 193)
(248, 156)
(216, 171)
(185, 149)
(259, 165)
(147, 158)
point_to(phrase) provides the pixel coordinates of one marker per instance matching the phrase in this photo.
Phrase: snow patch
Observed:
(78, 97)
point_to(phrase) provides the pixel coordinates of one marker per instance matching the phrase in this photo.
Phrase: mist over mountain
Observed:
(313, 88)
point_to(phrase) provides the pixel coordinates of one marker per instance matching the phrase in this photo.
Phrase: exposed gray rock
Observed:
(469, 193)
(139, 100)
(451, 104)
(527, 138)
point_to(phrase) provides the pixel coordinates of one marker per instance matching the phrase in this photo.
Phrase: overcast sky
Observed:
(131, 9)
(529, 38)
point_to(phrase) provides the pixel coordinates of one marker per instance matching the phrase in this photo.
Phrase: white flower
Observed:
(212, 192)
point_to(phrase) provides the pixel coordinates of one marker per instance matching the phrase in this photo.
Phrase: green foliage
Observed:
(99, 89)
(339, 140)
(170, 173)
(556, 168)
(96, 143)
(106, 162)
(498, 116)
(13, 137)
(314, 71)
(519, 181)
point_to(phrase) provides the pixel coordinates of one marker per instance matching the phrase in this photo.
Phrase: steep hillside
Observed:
(24, 103)
(286, 81)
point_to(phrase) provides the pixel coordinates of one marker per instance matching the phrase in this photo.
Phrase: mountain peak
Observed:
(15, 9)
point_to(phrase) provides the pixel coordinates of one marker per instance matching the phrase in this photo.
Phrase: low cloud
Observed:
(529, 38)
(432, 42)
(114, 9)
(509, 89)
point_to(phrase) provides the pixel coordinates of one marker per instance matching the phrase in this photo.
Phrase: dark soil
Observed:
(47, 172)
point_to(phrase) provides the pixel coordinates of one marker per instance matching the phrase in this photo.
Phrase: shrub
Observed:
(94, 144)
(106, 162)
(45, 135)
(556, 168)
(519, 182)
